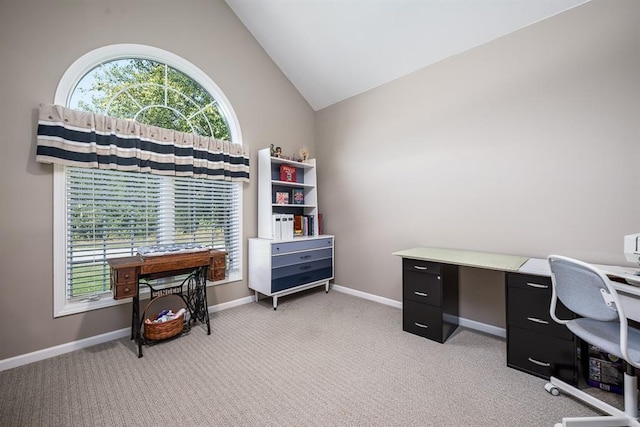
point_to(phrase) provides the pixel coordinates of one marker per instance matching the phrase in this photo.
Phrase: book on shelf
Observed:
(303, 225)
(297, 225)
(298, 196)
(288, 173)
(282, 197)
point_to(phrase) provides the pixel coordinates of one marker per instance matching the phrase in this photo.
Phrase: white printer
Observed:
(632, 247)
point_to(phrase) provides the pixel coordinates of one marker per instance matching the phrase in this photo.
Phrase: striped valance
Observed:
(77, 138)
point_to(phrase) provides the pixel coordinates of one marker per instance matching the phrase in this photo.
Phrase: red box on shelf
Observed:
(288, 173)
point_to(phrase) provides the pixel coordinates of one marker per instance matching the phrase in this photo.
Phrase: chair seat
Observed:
(606, 336)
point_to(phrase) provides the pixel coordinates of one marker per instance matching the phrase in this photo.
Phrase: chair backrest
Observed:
(584, 289)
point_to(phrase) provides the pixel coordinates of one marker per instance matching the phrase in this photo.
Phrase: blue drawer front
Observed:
(298, 257)
(301, 279)
(304, 267)
(302, 245)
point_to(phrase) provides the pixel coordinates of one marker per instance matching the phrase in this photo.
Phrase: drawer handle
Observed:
(419, 267)
(305, 257)
(126, 276)
(537, 285)
(536, 320)
(539, 363)
(305, 267)
(421, 294)
(420, 325)
(127, 290)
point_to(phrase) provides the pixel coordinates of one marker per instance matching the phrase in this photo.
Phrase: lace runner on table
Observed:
(158, 250)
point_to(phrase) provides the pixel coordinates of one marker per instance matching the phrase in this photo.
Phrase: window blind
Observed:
(111, 214)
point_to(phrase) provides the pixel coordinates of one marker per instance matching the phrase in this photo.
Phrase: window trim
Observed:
(68, 82)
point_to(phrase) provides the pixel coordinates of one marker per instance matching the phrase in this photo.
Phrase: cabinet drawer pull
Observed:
(537, 285)
(419, 267)
(305, 267)
(305, 257)
(539, 363)
(536, 320)
(421, 294)
(420, 325)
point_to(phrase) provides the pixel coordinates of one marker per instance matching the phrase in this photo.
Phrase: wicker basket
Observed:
(164, 330)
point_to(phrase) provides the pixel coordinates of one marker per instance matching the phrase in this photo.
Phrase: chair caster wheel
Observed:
(552, 389)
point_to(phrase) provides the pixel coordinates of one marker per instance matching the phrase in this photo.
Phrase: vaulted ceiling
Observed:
(334, 49)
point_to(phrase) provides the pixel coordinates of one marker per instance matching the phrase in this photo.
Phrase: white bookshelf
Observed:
(279, 267)
(269, 183)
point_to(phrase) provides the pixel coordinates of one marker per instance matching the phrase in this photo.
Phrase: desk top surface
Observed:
(171, 260)
(517, 264)
(466, 258)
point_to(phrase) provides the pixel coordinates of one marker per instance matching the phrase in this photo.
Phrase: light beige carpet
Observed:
(319, 360)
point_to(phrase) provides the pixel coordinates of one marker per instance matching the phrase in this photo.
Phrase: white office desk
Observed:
(629, 292)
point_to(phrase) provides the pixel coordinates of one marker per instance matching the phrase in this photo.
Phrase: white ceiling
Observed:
(334, 49)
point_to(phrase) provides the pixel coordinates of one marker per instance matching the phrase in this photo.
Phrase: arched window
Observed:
(150, 92)
(101, 213)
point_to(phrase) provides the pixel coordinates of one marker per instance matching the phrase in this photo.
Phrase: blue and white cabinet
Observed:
(282, 267)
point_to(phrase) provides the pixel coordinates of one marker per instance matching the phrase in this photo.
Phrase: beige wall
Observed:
(527, 145)
(39, 40)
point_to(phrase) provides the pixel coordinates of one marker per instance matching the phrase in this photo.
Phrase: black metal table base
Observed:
(193, 290)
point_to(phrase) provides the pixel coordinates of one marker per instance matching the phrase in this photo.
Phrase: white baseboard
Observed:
(467, 323)
(230, 304)
(14, 362)
(370, 297)
(482, 327)
(24, 359)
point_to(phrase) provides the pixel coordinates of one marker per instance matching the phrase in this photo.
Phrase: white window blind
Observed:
(111, 214)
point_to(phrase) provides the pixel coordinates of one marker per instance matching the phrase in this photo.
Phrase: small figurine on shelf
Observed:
(272, 150)
(304, 154)
(278, 152)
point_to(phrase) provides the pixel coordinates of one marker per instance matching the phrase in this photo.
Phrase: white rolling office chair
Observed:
(586, 291)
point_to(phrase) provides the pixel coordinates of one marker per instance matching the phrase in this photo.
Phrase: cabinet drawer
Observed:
(302, 245)
(422, 319)
(305, 267)
(124, 291)
(541, 284)
(124, 275)
(421, 266)
(423, 288)
(529, 309)
(299, 257)
(301, 279)
(541, 355)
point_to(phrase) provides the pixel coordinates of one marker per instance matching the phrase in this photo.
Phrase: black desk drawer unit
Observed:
(429, 299)
(535, 343)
